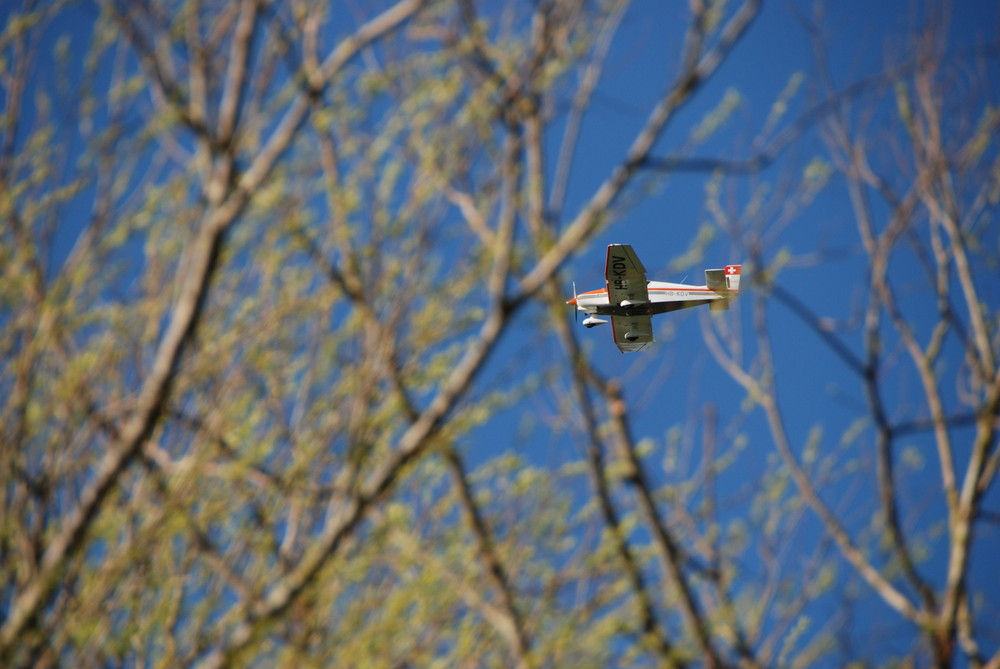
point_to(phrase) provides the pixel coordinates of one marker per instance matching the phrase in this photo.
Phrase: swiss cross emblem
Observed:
(731, 270)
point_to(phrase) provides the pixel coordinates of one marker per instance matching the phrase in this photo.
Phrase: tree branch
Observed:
(512, 628)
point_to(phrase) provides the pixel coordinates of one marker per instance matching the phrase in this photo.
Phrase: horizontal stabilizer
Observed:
(724, 279)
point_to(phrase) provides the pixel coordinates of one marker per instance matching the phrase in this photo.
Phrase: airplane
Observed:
(630, 300)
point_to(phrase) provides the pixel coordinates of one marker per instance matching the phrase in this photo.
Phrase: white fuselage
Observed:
(596, 301)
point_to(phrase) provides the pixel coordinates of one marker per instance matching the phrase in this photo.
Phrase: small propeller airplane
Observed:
(631, 301)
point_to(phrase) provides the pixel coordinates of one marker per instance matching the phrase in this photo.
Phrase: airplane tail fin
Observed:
(725, 279)
(733, 276)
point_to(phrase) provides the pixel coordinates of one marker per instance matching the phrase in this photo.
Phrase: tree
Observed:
(263, 264)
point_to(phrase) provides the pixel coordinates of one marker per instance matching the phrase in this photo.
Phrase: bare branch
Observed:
(236, 74)
(581, 102)
(512, 627)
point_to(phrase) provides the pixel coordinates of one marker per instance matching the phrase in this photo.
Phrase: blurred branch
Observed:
(882, 298)
(813, 321)
(512, 627)
(581, 103)
(236, 72)
(936, 189)
(21, 56)
(667, 545)
(780, 142)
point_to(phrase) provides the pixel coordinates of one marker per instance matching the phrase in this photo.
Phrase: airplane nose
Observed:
(573, 301)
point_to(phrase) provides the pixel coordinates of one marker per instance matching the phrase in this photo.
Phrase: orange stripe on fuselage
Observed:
(604, 291)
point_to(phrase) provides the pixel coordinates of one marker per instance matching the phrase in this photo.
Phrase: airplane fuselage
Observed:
(663, 297)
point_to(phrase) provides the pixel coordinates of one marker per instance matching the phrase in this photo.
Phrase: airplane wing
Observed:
(632, 333)
(625, 275)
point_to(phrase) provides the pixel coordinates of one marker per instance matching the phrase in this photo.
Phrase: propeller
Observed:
(576, 310)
